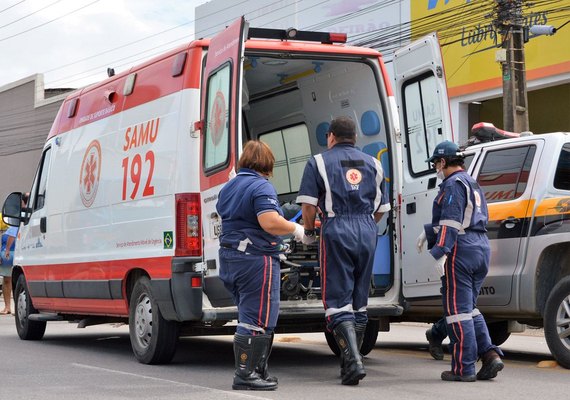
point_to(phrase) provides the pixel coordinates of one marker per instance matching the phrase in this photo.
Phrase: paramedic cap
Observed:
(443, 150)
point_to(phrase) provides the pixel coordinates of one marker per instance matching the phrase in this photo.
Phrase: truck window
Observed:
(291, 150)
(504, 173)
(39, 198)
(423, 121)
(562, 176)
(217, 139)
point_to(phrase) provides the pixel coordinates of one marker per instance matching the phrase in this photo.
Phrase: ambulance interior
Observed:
(288, 103)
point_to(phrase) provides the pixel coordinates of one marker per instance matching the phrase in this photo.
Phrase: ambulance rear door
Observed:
(425, 116)
(220, 141)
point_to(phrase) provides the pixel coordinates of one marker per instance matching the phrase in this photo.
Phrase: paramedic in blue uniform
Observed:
(348, 188)
(250, 245)
(458, 241)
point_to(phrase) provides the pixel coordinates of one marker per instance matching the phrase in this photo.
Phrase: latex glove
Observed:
(440, 265)
(421, 241)
(309, 239)
(299, 232)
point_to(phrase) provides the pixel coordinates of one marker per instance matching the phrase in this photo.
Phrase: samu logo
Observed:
(433, 3)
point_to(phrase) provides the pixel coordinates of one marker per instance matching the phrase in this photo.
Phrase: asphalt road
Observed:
(97, 363)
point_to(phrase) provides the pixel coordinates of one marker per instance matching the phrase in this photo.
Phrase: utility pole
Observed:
(515, 103)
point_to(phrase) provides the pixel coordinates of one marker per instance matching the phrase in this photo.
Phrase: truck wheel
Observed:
(557, 322)
(27, 330)
(499, 332)
(153, 338)
(368, 343)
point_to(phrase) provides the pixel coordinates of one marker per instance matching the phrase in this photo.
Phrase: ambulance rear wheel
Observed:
(27, 330)
(557, 322)
(368, 343)
(153, 338)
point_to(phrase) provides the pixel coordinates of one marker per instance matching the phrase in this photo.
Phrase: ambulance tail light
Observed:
(188, 225)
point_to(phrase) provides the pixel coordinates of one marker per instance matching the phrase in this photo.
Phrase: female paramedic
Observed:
(457, 240)
(249, 261)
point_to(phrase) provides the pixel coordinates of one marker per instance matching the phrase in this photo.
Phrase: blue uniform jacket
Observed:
(458, 208)
(344, 181)
(241, 200)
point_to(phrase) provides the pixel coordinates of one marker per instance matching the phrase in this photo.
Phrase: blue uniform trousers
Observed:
(347, 255)
(254, 281)
(465, 269)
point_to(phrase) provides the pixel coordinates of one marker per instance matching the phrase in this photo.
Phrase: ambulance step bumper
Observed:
(45, 317)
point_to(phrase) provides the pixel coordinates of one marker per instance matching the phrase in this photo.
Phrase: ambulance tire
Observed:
(368, 343)
(27, 330)
(153, 338)
(499, 332)
(557, 309)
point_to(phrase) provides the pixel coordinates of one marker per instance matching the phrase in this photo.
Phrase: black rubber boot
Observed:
(246, 361)
(263, 344)
(360, 329)
(492, 364)
(351, 361)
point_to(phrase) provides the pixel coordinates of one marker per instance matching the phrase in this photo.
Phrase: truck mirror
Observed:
(12, 209)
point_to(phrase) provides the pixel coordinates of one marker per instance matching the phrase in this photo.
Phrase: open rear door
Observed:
(421, 93)
(220, 139)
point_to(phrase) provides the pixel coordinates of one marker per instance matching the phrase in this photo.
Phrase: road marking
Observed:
(205, 388)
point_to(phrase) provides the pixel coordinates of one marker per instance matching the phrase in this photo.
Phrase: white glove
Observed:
(299, 232)
(421, 241)
(309, 239)
(440, 265)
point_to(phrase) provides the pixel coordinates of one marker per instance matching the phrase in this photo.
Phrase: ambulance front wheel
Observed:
(27, 329)
(153, 338)
(368, 343)
(557, 322)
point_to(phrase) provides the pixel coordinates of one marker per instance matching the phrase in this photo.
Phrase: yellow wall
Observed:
(469, 41)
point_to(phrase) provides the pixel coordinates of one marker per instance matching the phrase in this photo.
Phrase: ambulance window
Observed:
(217, 139)
(423, 121)
(504, 173)
(290, 146)
(562, 177)
(43, 175)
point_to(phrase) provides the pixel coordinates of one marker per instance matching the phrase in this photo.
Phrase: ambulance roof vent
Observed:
(294, 34)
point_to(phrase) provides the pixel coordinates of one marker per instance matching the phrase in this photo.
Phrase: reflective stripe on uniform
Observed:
(451, 319)
(333, 311)
(328, 195)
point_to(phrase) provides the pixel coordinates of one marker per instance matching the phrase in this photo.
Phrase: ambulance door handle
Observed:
(43, 224)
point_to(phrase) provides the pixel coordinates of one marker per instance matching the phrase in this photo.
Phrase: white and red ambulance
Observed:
(121, 223)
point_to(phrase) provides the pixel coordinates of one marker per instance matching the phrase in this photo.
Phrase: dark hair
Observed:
(343, 128)
(25, 197)
(455, 161)
(258, 157)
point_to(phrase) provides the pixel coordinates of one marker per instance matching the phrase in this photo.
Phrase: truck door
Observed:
(506, 175)
(421, 93)
(220, 140)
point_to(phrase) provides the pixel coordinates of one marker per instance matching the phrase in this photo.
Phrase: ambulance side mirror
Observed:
(12, 209)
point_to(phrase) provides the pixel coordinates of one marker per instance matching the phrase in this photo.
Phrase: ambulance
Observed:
(121, 225)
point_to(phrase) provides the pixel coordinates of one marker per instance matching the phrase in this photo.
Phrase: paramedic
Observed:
(348, 187)
(249, 252)
(458, 241)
